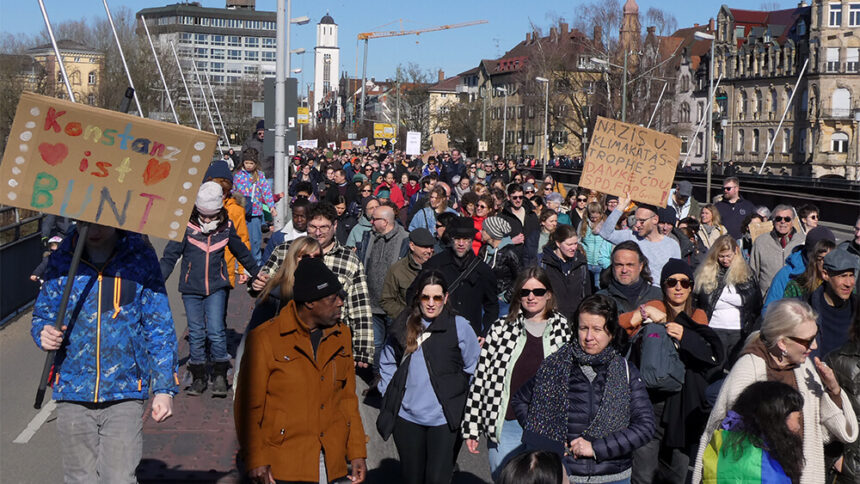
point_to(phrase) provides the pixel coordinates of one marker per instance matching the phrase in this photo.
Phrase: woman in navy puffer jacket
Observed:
(587, 403)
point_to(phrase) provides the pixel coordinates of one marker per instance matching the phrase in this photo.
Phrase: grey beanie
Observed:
(497, 227)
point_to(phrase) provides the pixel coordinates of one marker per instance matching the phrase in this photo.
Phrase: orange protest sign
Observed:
(104, 167)
(626, 158)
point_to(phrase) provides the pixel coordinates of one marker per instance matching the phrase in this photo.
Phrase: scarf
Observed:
(550, 394)
(774, 372)
(631, 292)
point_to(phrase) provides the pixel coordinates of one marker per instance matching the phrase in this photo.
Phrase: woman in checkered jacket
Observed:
(514, 349)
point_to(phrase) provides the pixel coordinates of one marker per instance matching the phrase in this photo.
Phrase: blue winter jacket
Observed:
(204, 270)
(120, 341)
(795, 265)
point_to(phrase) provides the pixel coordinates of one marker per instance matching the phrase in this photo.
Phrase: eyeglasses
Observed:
(782, 219)
(439, 226)
(427, 298)
(530, 192)
(483, 206)
(728, 189)
(317, 228)
(374, 219)
(806, 343)
(539, 292)
(365, 191)
(813, 217)
(516, 197)
(578, 199)
(685, 283)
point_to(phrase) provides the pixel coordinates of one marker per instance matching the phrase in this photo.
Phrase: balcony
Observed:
(837, 113)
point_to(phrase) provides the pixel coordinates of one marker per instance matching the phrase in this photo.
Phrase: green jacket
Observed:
(398, 279)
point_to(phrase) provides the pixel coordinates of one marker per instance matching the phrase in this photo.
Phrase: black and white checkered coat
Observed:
(490, 391)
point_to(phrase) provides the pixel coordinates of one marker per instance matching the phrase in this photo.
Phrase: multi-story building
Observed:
(83, 66)
(229, 44)
(761, 55)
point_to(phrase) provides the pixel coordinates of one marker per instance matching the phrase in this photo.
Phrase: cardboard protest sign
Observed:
(104, 167)
(625, 158)
(439, 141)
(413, 142)
(760, 228)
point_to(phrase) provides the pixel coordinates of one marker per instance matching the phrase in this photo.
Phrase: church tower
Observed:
(326, 65)
(631, 32)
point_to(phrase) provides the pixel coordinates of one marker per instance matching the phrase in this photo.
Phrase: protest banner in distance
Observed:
(104, 167)
(413, 142)
(439, 141)
(625, 158)
(307, 143)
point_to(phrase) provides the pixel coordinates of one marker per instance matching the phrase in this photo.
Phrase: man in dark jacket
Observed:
(834, 301)
(498, 252)
(630, 279)
(733, 209)
(401, 275)
(456, 166)
(525, 226)
(474, 295)
(342, 188)
(255, 140)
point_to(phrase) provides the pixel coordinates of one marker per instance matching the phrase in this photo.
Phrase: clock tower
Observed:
(326, 72)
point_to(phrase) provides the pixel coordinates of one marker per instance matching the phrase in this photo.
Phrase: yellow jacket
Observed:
(237, 216)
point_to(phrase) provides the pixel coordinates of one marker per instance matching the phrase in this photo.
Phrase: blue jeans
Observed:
(205, 316)
(380, 330)
(255, 233)
(595, 271)
(510, 444)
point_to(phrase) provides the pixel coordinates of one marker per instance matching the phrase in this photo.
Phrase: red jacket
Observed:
(479, 239)
(396, 194)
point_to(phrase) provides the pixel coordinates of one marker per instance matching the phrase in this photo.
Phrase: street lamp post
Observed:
(545, 123)
(504, 119)
(710, 135)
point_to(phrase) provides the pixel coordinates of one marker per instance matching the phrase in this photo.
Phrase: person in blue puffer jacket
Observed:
(117, 345)
(203, 283)
(795, 265)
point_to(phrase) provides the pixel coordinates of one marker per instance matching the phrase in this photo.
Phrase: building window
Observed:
(743, 102)
(217, 53)
(252, 55)
(854, 15)
(217, 40)
(234, 54)
(201, 53)
(184, 38)
(757, 105)
(268, 56)
(685, 144)
(216, 66)
(786, 140)
(832, 59)
(835, 15)
(685, 113)
(741, 141)
(201, 38)
(801, 143)
(774, 100)
(840, 103)
(234, 41)
(839, 142)
(253, 42)
(269, 43)
(91, 99)
(852, 59)
(202, 65)
(700, 111)
(520, 112)
(699, 144)
(770, 135)
(91, 78)
(755, 141)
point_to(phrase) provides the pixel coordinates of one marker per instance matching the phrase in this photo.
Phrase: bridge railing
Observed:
(20, 253)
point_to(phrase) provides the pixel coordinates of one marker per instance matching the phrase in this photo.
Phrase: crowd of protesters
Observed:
(579, 336)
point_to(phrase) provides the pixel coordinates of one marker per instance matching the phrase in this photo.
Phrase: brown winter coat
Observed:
(289, 405)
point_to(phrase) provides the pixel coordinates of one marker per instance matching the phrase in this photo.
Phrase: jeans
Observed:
(381, 322)
(595, 271)
(510, 444)
(100, 442)
(255, 234)
(426, 453)
(205, 316)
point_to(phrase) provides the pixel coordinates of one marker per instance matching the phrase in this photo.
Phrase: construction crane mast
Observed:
(365, 36)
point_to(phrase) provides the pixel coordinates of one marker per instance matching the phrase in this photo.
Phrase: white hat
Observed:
(210, 198)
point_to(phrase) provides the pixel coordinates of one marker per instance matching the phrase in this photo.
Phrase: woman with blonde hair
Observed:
(278, 291)
(780, 352)
(710, 225)
(728, 293)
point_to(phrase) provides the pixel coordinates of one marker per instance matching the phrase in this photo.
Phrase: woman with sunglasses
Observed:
(586, 402)
(512, 352)
(681, 414)
(577, 202)
(780, 352)
(483, 209)
(425, 369)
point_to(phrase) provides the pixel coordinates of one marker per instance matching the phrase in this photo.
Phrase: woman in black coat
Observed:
(586, 402)
(567, 269)
(502, 256)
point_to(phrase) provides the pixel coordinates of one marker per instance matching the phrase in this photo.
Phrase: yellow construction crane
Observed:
(365, 36)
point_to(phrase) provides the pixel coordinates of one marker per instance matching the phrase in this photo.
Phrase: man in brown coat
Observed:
(296, 411)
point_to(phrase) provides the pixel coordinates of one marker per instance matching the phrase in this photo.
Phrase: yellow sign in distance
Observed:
(302, 115)
(383, 130)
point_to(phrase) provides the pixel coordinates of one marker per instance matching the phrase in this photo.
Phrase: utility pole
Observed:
(397, 118)
(281, 68)
(624, 91)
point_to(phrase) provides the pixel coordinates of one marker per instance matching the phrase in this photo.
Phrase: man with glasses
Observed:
(529, 192)
(734, 209)
(357, 314)
(769, 251)
(525, 226)
(834, 301)
(658, 248)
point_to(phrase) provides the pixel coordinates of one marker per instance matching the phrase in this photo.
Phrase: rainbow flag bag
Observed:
(748, 464)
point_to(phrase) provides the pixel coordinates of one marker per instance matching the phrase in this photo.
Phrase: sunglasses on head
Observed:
(782, 219)
(539, 292)
(427, 298)
(685, 283)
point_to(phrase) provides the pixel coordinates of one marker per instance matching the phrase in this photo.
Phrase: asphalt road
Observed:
(30, 453)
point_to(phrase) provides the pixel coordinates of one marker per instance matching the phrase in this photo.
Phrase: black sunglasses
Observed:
(782, 219)
(539, 292)
(806, 343)
(516, 197)
(685, 283)
(581, 199)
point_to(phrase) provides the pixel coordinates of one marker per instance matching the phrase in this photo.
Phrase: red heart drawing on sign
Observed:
(155, 172)
(53, 154)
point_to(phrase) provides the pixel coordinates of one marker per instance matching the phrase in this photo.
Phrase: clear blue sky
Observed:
(453, 51)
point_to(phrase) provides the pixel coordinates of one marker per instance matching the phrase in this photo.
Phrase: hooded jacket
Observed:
(204, 269)
(505, 263)
(571, 282)
(795, 265)
(531, 229)
(120, 342)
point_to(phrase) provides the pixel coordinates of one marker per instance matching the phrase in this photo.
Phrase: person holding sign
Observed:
(657, 248)
(109, 354)
(204, 283)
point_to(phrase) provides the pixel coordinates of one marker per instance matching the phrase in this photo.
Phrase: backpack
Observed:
(659, 364)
